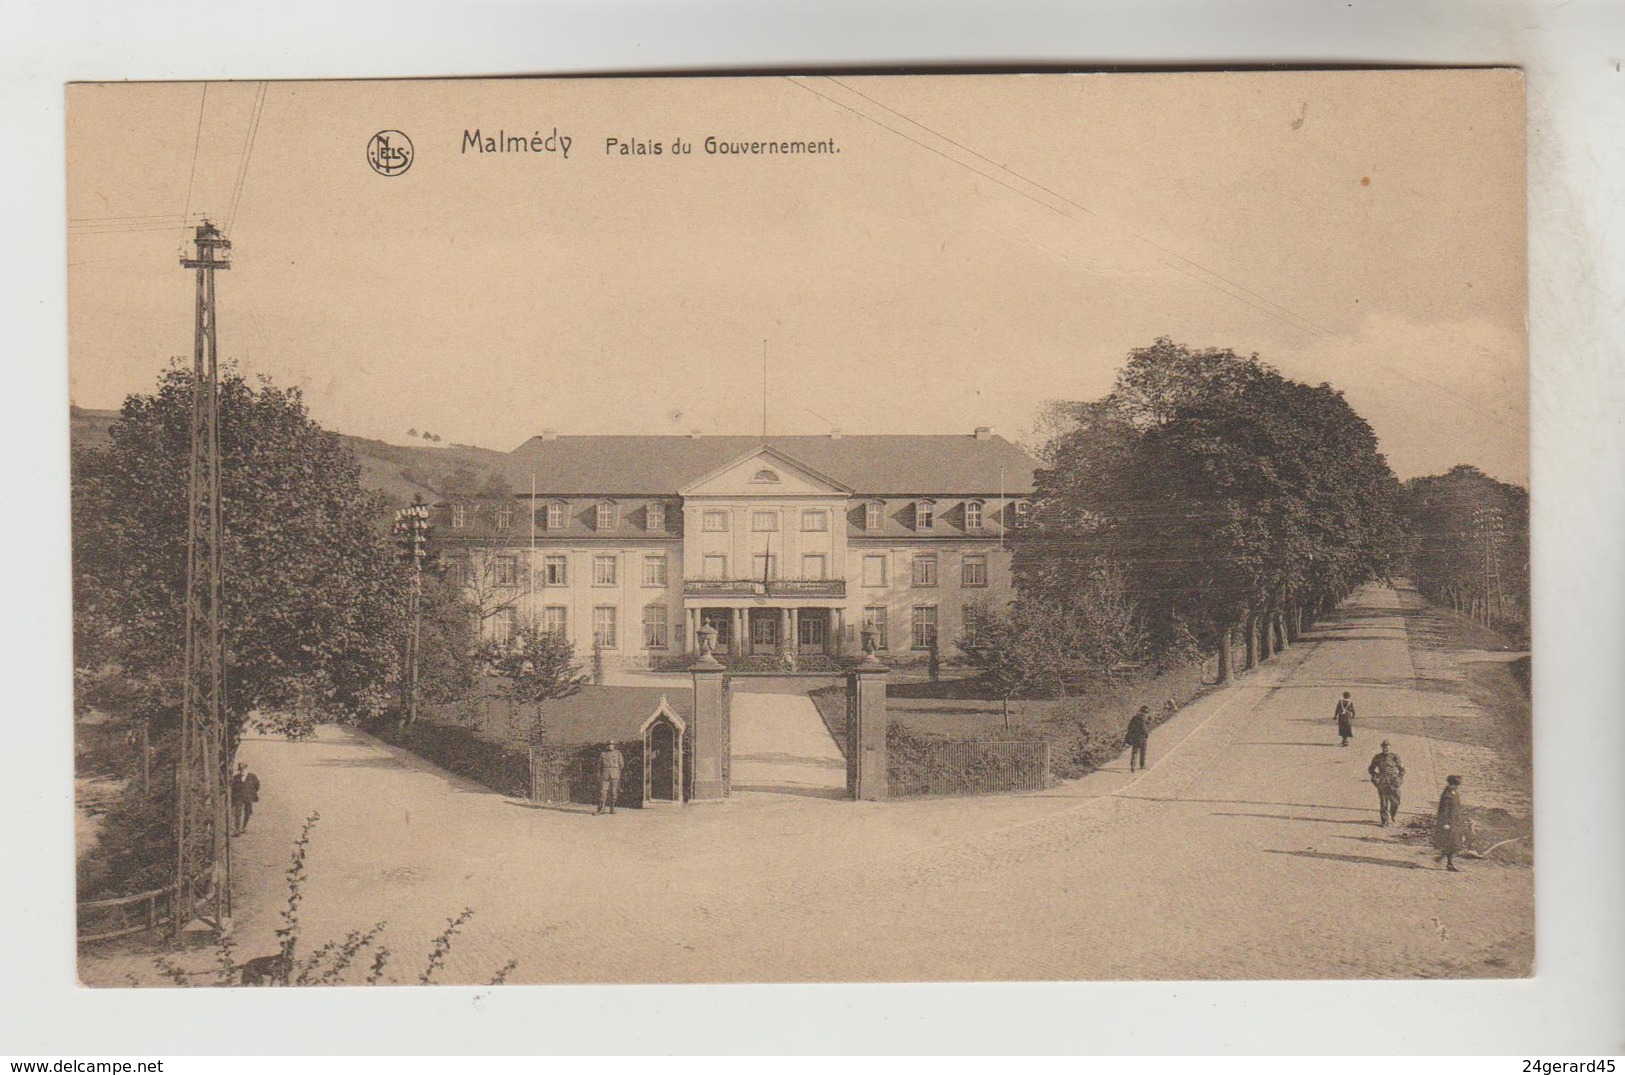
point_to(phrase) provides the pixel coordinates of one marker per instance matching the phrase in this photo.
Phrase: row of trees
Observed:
(1207, 495)
(1470, 544)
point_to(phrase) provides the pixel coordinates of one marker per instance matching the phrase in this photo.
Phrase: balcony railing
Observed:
(770, 588)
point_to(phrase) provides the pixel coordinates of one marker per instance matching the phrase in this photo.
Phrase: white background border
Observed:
(1571, 51)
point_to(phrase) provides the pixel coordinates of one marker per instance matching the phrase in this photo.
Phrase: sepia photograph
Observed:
(801, 528)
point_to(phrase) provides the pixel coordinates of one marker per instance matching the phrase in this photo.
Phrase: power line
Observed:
(1305, 327)
(1299, 321)
(197, 140)
(1083, 208)
(249, 138)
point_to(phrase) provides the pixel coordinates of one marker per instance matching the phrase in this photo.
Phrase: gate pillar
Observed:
(709, 733)
(866, 726)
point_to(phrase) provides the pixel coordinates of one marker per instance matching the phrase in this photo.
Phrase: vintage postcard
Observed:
(801, 529)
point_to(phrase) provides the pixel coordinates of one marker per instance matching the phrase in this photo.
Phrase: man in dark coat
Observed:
(1387, 773)
(1139, 734)
(1345, 718)
(245, 792)
(610, 763)
(1450, 824)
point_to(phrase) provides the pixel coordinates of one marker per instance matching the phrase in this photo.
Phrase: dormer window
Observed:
(925, 514)
(765, 476)
(504, 517)
(555, 515)
(874, 515)
(654, 517)
(609, 515)
(973, 515)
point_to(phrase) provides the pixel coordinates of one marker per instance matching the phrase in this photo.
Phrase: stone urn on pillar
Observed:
(871, 642)
(708, 647)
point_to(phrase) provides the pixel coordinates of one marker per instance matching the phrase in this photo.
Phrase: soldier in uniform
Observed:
(610, 763)
(1345, 717)
(1139, 734)
(1387, 773)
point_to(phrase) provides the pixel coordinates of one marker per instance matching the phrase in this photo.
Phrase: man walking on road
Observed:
(1139, 734)
(1450, 825)
(245, 792)
(1345, 718)
(1387, 773)
(610, 764)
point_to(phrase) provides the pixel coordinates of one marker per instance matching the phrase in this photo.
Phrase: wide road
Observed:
(1250, 849)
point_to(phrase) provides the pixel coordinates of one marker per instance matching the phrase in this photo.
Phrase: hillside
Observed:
(397, 471)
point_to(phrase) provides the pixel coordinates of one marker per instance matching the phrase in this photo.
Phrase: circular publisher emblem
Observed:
(389, 153)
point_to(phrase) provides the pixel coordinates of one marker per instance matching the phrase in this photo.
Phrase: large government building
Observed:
(779, 543)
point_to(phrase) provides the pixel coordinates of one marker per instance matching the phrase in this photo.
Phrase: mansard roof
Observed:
(884, 464)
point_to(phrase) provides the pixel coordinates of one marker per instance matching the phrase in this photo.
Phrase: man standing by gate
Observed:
(610, 764)
(1387, 773)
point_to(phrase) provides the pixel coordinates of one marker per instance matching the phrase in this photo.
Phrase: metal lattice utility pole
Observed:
(412, 536)
(202, 861)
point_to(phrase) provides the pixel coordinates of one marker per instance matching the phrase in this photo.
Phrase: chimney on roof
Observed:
(695, 434)
(835, 434)
(984, 432)
(550, 434)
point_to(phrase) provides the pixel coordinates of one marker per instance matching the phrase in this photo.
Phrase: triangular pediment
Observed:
(765, 471)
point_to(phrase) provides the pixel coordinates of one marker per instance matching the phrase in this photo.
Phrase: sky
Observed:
(977, 246)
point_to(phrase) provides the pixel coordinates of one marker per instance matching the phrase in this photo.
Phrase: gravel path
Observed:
(1250, 849)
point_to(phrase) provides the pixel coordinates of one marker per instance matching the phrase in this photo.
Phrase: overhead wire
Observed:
(1304, 324)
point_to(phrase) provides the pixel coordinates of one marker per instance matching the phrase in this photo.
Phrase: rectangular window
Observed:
(925, 515)
(603, 626)
(555, 571)
(875, 616)
(609, 516)
(457, 572)
(874, 571)
(815, 565)
(555, 516)
(504, 517)
(556, 621)
(459, 516)
(505, 570)
(815, 519)
(604, 570)
(925, 569)
(505, 624)
(925, 626)
(973, 515)
(873, 515)
(715, 567)
(975, 570)
(764, 520)
(654, 570)
(714, 522)
(654, 627)
(654, 517)
(764, 566)
(1023, 513)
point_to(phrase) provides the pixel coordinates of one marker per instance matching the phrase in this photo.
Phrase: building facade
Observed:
(781, 544)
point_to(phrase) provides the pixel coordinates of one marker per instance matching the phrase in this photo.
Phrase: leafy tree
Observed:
(533, 668)
(313, 604)
(1470, 543)
(1019, 652)
(1223, 496)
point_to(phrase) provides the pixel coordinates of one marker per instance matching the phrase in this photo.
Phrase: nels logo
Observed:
(389, 153)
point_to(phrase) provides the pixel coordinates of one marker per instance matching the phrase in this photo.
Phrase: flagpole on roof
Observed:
(530, 568)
